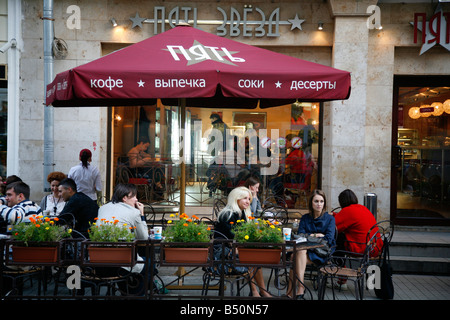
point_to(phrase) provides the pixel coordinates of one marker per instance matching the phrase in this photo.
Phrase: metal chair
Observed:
(218, 205)
(348, 266)
(275, 212)
(221, 270)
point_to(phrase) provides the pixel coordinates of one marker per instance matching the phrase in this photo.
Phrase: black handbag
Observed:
(321, 252)
(386, 288)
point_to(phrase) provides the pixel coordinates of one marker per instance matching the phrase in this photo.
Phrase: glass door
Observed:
(421, 139)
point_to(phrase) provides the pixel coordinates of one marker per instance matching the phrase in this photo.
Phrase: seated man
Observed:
(19, 207)
(146, 166)
(137, 155)
(126, 208)
(79, 205)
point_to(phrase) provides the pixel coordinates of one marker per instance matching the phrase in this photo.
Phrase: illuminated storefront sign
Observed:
(233, 23)
(434, 31)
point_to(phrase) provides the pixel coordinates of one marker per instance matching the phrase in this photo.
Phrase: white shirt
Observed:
(87, 179)
(132, 217)
(126, 214)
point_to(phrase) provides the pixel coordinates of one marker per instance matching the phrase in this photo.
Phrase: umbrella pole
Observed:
(182, 104)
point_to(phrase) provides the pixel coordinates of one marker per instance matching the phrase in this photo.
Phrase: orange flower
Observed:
(56, 219)
(185, 224)
(195, 217)
(231, 222)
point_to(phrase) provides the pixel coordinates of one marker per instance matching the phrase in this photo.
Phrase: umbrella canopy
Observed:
(204, 69)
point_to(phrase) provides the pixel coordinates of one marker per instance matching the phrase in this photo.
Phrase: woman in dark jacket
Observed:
(317, 223)
(238, 208)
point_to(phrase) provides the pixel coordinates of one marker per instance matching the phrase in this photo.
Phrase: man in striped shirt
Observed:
(19, 208)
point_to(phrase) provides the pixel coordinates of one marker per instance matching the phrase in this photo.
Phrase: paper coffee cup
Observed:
(157, 232)
(287, 234)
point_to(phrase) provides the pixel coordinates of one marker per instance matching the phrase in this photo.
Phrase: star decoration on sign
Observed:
(428, 36)
(141, 83)
(137, 21)
(210, 55)
(296, 22)
(278, 84)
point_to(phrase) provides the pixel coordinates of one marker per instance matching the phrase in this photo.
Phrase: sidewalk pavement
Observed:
(406, 287)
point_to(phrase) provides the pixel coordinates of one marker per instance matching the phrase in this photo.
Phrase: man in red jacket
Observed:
(354, 221)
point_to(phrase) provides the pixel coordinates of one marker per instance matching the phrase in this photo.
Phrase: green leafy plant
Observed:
(39, 229)
(110, 231)
(187, 230)
(257, 230)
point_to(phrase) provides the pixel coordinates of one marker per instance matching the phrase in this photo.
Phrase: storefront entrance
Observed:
(421, 150)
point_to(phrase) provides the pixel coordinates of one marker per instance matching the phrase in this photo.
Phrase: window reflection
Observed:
(222, 148)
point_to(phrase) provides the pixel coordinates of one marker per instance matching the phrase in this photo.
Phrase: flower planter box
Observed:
(186, 255)
(259, 255)
(111, 255)
(121, 253)
(34, 254)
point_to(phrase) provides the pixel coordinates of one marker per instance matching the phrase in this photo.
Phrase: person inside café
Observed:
(253, 183)
(86, 176)
(138, 156)
(353, 222)
(52, 204)
(316, 223)
(83, 209)
(127, 210)
(238, 208)
(146, 166)
(19, 207)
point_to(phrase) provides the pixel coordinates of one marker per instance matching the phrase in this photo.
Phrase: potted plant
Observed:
(110, 242)
(37, 241)
(255, 239)
(186, 240)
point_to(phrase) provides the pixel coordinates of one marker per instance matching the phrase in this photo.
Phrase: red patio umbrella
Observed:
(207, 70)
(189, 67)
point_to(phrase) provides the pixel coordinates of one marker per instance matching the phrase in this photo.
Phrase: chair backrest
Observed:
(218, 205)
(380, 236)
(275, 212)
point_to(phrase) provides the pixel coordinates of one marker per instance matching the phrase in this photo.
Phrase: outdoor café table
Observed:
(292, 247)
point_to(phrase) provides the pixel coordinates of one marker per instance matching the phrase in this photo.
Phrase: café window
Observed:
(221, 149)
(423, 144)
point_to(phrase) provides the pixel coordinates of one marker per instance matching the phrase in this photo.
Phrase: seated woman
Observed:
(353, 223)
(53, 203)
(252, 183)
(316, 223)
(238, 208)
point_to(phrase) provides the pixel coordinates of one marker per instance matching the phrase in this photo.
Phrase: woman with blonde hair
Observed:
(238, 208)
